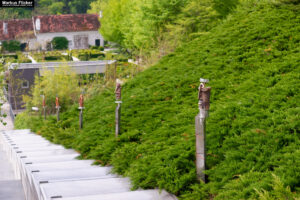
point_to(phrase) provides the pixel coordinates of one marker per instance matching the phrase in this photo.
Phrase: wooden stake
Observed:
(118, 119)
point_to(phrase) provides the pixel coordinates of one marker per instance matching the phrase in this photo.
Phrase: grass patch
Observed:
(252, 60)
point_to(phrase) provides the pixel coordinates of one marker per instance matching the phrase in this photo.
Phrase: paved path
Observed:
(10, 187)
(8, 120)
(31, 58)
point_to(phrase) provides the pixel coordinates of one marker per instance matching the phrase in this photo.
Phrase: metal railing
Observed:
(11, 112)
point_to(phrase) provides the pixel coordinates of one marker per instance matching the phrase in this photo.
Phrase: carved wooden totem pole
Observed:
(57, 107)
(81, 107)
(203, 103)
(118, 108)
(44, 105)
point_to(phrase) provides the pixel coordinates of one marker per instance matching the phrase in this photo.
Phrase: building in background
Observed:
(81, 30)
(20, 77)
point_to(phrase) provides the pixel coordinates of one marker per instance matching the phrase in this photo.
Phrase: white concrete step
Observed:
(71, 175)
(46, 153)
(48, 159)
(85, 187)
(133, 195)
(50, 171)
(53, 166)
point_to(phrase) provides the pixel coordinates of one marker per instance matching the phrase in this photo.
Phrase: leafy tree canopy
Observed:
(152, 25)
(47, 7)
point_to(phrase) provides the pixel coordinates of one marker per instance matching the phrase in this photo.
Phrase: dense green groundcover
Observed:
(252, 60)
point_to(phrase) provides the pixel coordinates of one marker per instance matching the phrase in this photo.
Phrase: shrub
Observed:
(252, 60)
(93, 47)
(291, 1)
(58, 58)
(101, 48)
(62, 82)
(60, 43)
(14, 56)
(51, 58)
(121, 57)
(11, 46)
(97, 55)
(84, 57)
(22, 58)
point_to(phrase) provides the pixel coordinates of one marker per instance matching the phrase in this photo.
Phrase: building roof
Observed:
(58, 64)
(79, 67)
(12, 29)
(67, 23)
(16, 28)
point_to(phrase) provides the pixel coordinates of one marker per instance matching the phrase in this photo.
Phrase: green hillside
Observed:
(253, 62)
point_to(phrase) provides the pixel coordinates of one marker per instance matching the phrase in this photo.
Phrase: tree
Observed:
(224, 7)
(46, 7)
(13, 13)
(63, 82)
(60, 43)
(153, 28)
(79, 6)
(11, 46)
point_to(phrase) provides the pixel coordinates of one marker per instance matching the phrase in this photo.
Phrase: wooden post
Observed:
(44, 106)
(200, 122)
(57, 108)
(57, 114)
(81, 100)
(80, 118)
(118, 118)
(118, 108)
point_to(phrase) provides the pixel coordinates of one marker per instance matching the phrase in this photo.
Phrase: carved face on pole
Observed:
(81, 101)
(57, 102)
(201, 86)
(204, 96)
(118, 91)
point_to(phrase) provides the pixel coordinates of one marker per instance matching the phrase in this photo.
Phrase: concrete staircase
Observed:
(10, 186)
(50, 171)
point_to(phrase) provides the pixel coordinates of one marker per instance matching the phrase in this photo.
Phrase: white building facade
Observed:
(77, 40)
(81, 30)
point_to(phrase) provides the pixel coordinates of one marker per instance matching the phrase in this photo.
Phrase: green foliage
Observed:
(25, 118)
(60, 43)
(62, 83)
(56, 7)
(279, 191)
(46, 7)
(152, 28)
(14, 13)
(14, 56)
(51, 56)
(11, 46)
(291, 1)
(195, 19)
(97, 48)
(224, 7)
(87, 54)
(22, 58)
(252, 61)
